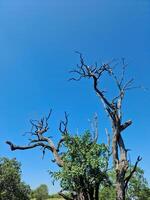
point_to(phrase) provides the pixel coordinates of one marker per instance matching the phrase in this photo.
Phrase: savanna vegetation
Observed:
(12, 188)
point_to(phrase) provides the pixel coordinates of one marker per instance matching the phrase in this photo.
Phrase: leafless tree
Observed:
(113, 109)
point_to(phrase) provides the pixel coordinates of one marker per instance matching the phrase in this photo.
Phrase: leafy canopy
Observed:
(85, 163)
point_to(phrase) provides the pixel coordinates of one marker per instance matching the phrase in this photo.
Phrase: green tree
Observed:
(41, 193)
(11, 187)
(85, 166)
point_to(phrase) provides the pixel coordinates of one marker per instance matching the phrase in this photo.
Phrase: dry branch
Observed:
(39, 128)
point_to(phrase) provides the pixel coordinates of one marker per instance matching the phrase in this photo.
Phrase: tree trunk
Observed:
(90, 194)
(120, 164)
(120, 188)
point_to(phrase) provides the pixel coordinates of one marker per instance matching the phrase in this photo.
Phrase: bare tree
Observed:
(113, 109)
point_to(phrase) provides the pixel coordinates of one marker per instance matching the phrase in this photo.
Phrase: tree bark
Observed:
(120, 189)
(120, 162)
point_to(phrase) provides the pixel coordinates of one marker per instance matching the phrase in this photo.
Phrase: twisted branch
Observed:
(38, 129)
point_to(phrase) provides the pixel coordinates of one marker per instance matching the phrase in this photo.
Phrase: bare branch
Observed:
(123, 71)
(15, 147)
(128, 84)
(60, 143)
(39, 127)
(95, 126)
(63, 125)
(108, 139)
(132, 171)
(64, 131)
(125, 125)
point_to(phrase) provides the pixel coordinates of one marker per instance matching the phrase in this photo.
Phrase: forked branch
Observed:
(127, 179)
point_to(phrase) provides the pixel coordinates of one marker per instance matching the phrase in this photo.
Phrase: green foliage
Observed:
(107, 193)
(11, 187)
(85, 163)
(41, 193)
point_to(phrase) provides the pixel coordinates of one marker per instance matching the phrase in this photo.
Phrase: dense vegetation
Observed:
(12, 188)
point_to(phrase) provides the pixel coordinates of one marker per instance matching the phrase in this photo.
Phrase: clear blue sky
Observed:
(37, 43)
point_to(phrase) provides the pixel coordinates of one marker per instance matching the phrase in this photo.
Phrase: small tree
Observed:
(113, 108)
(41, 193)
(11, 187)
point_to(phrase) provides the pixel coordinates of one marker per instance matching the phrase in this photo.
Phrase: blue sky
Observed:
(37, 44)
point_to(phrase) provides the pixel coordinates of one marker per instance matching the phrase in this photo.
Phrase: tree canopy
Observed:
(85, 165)
(11, 186)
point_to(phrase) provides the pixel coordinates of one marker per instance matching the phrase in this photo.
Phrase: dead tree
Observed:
(113, 109)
